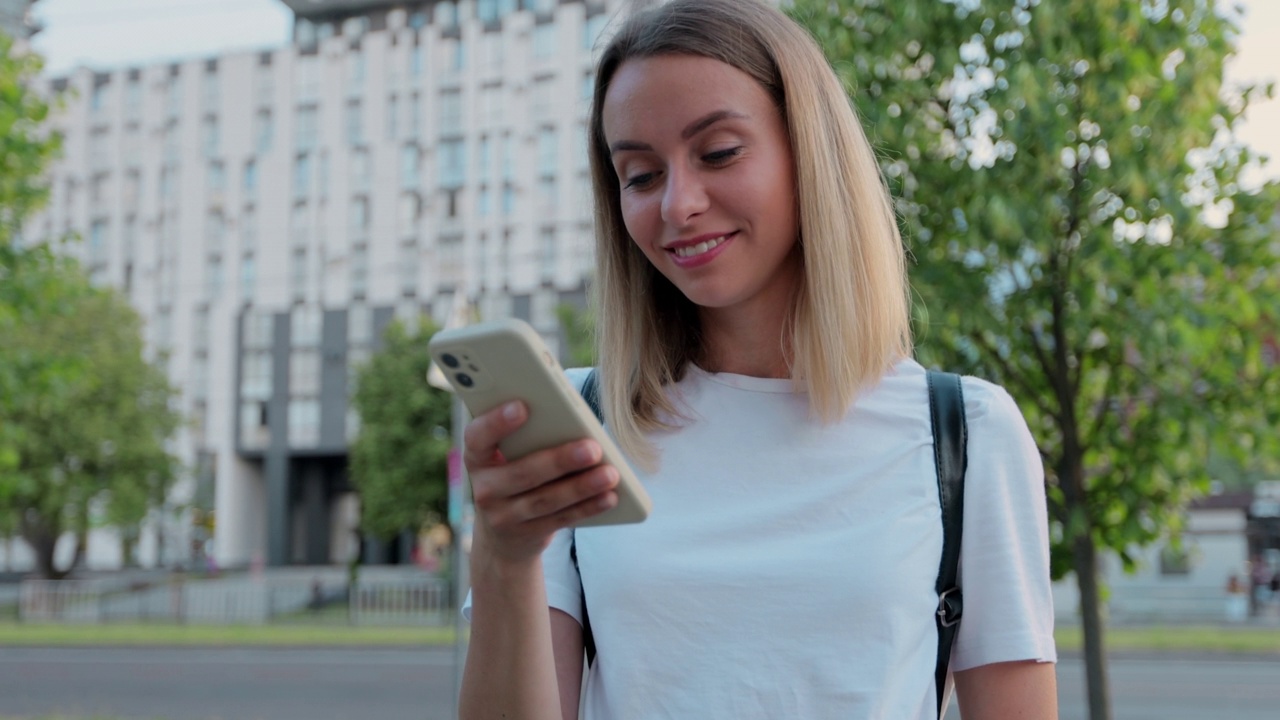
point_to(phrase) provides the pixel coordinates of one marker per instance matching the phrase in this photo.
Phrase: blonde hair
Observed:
(850, 318)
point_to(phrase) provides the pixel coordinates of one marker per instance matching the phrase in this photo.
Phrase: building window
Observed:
(393, 117)
(301, 176)
(217, 179)
(408, 267)
(174, 99)
(304, 372)
(355, 123)
(210, 136)
(508, 158)
(248, 278)
(133, 99)
(361, 170)
(304, 422)
(98, 243)
(249, 180)
(305, 326)
(548, 147)
(450, 261)
(592, 30)
(544, 41)
(548, 253)
(248, 230)
(359, 324)
(215, 232)
(447, 15)
(410, 211)
(256, 379)
(263, 132)
(410, 167)
(307, 130)
(450, 113)
(258, 330)
(359, 271)
(359, 218)
(213, 277)
(452, 170)
(356, 65)
(308, 79)
(298, 275)
(508, 200)
(210, 90)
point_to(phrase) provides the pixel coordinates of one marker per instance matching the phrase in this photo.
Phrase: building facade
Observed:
(268, 213)
(16, 20)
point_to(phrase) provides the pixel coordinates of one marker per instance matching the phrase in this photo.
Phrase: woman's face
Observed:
(707, 183)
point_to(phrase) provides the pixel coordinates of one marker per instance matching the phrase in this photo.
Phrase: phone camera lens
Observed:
(449, 360)
(465, 380)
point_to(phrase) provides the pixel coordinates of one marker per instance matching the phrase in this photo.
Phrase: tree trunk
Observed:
(1085, 557)
(1095, 655)
(43, 544)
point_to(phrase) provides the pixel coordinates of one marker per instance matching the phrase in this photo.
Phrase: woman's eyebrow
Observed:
(689, 131)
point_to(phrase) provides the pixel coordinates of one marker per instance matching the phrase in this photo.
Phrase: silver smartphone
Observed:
(491, 363)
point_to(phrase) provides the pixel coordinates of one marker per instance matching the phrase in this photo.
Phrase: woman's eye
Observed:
(639, 181)
(722, 156)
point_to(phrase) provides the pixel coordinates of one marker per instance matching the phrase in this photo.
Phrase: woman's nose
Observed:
(684, 197)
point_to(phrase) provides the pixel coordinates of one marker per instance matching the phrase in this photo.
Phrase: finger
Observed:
(481, 436)
(539, 468)
(553, 499)
(576, 513)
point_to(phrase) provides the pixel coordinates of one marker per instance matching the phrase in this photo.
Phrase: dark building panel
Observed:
(276, 467)
(522, 307)
(333, 381)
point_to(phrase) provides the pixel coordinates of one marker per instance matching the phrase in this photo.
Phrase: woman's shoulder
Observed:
(985, 402)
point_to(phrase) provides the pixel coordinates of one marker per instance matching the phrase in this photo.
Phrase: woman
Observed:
(756, 367)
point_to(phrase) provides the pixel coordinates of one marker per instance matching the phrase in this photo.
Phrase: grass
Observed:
(1249, 640)
(14, 634)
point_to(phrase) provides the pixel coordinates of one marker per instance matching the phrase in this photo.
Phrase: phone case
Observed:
(491, 363)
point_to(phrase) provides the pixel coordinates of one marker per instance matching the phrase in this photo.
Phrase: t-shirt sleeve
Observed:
(1004, 554)
(564, 589)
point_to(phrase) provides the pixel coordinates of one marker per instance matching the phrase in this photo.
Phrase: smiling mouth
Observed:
(689, 251)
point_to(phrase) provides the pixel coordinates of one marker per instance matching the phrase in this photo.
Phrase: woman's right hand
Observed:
(520, 504)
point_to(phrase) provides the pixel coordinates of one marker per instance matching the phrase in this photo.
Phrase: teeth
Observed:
(692, 250)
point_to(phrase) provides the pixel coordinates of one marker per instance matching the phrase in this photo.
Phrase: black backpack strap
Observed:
(950, 440)
(591, 393)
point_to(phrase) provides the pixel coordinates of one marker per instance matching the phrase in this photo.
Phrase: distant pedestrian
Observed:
(1237, 599)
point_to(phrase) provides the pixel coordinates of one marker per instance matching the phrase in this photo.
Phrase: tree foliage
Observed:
(88, 417)
(26, 149)
(1069, 183)
(399, 458)
(577, 327)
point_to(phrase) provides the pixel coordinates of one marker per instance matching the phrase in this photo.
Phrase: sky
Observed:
(105, 34)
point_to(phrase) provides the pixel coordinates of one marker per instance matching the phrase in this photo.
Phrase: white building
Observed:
(16, 20)
(268, 212)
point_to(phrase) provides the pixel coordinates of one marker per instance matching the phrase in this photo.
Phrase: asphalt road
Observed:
(381, 684)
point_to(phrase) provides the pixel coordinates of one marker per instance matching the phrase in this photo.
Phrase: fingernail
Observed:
(584, 453)
(511, 411)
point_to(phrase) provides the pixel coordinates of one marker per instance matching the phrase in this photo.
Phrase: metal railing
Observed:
(239, 600)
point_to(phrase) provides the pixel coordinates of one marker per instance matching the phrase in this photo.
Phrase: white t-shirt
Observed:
(787, 569)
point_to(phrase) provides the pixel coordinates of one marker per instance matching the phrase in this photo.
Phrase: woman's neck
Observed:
(747, 341)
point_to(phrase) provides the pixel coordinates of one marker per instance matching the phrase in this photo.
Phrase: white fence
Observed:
(242, 600)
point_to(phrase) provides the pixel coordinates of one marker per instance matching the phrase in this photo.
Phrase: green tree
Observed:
(1068, 179)
(579, 332)
(399, 458)
(26, 148)
(88, 418)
